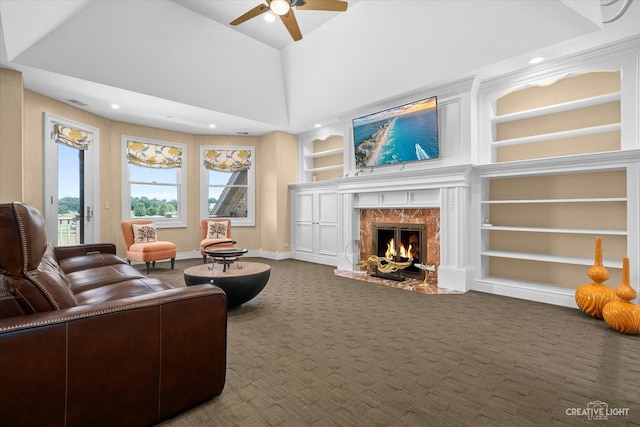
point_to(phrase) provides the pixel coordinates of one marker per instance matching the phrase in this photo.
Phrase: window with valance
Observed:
(228, 183)
(227, 160)
(71, 137)
(154, 156)
(155, 181)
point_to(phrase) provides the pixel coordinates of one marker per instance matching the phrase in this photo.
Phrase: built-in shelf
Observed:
(558, 108)
(613, 127)
(591, 231)
(324, 153)
(322, 157)
(588, 200)
(550, 258)
(325, 168)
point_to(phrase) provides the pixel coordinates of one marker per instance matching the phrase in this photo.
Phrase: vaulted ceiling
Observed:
(179, 64)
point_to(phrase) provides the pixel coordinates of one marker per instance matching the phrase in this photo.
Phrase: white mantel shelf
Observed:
(441, 177)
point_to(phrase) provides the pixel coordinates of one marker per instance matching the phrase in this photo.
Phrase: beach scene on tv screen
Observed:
(406, 133)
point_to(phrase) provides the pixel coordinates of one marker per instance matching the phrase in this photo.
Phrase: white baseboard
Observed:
(529, 291)
(252, 253)
(332, 261)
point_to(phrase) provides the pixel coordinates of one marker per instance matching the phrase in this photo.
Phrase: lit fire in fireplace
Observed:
(391, 252)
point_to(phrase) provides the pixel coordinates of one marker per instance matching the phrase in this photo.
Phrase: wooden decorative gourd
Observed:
(592, 297)
(620, 314)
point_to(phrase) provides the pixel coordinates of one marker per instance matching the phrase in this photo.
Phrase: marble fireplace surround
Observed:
(429, 217)
(442, 190)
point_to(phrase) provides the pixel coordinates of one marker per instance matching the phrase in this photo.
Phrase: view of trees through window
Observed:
(143, 206)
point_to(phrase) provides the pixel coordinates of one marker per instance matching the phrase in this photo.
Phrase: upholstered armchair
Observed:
(215, 233)
(142, 244)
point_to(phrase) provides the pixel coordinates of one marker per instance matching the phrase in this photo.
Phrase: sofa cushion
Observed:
(83, 280)
(89, 261)
(120, 290)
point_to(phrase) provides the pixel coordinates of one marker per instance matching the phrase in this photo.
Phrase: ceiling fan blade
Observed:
(258, 10)
(291, 23)
(331, 5)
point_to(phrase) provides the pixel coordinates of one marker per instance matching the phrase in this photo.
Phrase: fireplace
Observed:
(400, 243)
(426, 220)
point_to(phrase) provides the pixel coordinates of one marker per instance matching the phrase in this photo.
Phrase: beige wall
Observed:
(279, 152)
(11, 116)
(276, 168)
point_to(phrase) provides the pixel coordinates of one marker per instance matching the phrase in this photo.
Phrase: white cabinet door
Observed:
(326, 223)
(315, 225)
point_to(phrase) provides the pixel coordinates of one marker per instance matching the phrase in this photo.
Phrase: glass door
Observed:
(71, 182)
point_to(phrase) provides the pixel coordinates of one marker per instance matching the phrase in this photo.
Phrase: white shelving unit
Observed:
(312, 156)
(563, 119)
(512, 253)
(315, 160)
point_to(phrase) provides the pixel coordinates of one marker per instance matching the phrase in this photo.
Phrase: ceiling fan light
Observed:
(279, 7)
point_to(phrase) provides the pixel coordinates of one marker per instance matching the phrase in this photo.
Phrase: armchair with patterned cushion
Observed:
(141, 241)
(215, 233)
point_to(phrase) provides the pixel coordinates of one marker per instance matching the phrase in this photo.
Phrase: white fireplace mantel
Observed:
(447, 188)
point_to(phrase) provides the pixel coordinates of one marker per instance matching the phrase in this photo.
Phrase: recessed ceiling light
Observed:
(536, 60)
(115, 106)
(318, 125)
(212, 125)
(269, 17)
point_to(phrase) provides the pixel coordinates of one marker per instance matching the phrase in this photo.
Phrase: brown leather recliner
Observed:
(85, 339)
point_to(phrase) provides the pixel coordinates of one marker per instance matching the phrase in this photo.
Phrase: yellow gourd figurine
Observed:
(592, 297)
(620, 314)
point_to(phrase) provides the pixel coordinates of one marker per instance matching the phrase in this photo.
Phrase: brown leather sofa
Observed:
(86, 339)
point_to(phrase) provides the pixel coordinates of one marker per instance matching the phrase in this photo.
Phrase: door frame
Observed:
(50, 170)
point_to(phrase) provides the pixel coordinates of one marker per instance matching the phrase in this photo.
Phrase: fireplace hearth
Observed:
(400, 243)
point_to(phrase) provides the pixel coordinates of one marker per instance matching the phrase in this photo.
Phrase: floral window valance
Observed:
(72, 137)
(227, 160)
(154, 155)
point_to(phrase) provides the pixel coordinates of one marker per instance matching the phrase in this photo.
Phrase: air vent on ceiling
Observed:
(76, 102)
(242, 133)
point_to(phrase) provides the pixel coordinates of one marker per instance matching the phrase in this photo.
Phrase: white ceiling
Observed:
(178, 64)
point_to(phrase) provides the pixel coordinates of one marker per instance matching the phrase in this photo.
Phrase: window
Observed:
(154, 182)
(228, 184)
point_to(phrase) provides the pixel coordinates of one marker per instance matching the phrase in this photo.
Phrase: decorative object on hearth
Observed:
(384, 265)
(592, 297)
(621, 314)
(426, 268)
(284, 9)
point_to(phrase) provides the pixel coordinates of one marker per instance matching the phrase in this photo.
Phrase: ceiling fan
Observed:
(284, 9)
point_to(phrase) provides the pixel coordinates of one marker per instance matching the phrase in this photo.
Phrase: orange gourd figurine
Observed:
(592, 297)
(620, 314)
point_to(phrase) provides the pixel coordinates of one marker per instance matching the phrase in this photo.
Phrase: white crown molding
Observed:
(442, 90)
(563, 65)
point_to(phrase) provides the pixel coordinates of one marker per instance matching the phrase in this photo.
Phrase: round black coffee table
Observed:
(240, 284)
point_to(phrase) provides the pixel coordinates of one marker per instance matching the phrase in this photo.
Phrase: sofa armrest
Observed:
(63, 252)
(150, 356)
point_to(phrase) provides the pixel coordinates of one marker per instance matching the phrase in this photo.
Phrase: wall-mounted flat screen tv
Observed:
(406, 133)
